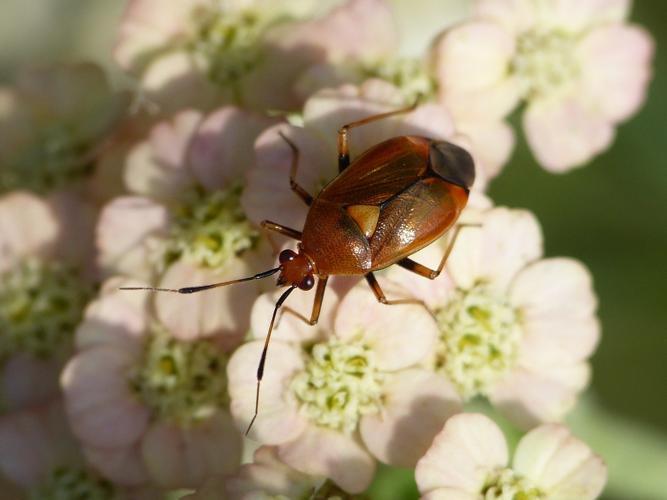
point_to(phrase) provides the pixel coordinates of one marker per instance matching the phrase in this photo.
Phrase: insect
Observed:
(394, 199)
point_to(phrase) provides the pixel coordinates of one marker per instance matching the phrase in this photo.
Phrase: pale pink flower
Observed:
(149, 409)
(268, 194)
(183, 224)
(469, 460)
(40, 455)
(344, 392)
(202, 53)
(514, 327)
(44, 287)
(578, 66)
(54, 123)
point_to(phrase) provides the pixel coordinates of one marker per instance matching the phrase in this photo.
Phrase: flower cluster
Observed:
(109, 393)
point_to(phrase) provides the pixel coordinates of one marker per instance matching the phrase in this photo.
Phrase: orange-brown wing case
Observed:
(416, 208)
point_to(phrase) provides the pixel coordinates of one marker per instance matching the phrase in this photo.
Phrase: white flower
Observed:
(580, 69)
(469, 460)
(339, 394)
(513, 327)
(149, 409)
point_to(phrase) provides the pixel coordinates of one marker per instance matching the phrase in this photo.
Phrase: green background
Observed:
(611, 214)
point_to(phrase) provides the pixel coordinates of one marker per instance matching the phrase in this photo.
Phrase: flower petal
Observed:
(222, 149)
(124, 226)
(278, 419)
(565, 133)
(147, 26)
(577, 16)
(506, 242)
(184, 457)
(158, 167)
(560, 464)
(516, 16)
(224, 310)
(462, 455)
(176, 81)
(474, 56)
(492, 143)
(35, 441)
(28, 381)
(325, 452)
(557, 308)
(616, 69)
(122, 465)
(449, 494)
(101, 408)
(529, 397)
(415, 406)
(472, 64)
(118, 318)
(27, 226)
(400, 335)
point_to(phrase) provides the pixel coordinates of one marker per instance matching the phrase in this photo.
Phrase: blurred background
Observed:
(612, 215)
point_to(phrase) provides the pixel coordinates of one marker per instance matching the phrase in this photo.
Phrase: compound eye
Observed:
(307, 282)
(286, 256)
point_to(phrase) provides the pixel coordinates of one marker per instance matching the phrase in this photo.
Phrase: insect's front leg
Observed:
(317, 304)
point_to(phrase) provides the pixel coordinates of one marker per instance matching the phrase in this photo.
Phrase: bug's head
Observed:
(453, 163)
(296, 270)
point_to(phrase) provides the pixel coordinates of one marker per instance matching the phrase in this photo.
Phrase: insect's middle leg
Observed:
(427, 272)
(343, 145)
(300, 191)
(270, 226)
(379, 294)
(317, 303)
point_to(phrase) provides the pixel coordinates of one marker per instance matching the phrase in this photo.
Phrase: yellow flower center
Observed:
(545, 63)
(181, 381)
(409, 75)
(505, 484)
(209, 229)
(479, 341)
(340, 384)
(229, 43)
(55, 155)
(41, 303)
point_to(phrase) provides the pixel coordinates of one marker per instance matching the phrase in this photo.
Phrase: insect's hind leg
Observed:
(343, 145)
(427, 272)
(379, 294)
(294, 186)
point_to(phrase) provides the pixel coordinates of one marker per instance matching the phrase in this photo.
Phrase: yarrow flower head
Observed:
(561, 59)
(515, 328)
(162, 402)
(184, 223)
(549, 463)
(337, 396)
(44, 289)
(201, 53)
(53, 124)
